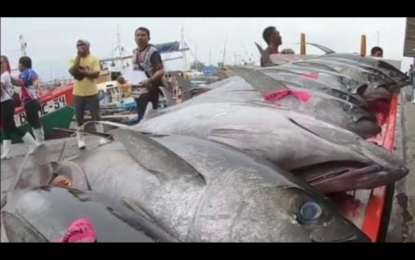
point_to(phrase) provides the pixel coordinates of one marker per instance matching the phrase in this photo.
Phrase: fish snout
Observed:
(346, 178)
(383, 177)
(339, 230)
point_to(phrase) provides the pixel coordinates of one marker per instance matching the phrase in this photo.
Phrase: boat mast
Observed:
(120, 49)
(184, 46)
(23, 45)
(119, 45)
(224, 51)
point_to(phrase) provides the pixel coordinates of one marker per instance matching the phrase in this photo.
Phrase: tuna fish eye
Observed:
(346, 97)
(345, 81)
(347, 106)
(309, 211)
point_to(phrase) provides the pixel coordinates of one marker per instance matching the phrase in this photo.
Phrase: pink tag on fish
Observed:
(302, 96)
(81, 231)
(313, 75)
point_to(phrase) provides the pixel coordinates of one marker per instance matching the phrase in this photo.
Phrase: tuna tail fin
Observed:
(14, 184)
(186, 87)
(156, 158)
(260, 49)
(19, 230)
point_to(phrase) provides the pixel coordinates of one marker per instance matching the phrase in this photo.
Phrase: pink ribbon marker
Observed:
(272, 97)
(81, 231)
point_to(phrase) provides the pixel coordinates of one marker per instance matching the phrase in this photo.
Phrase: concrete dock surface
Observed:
(402, 222)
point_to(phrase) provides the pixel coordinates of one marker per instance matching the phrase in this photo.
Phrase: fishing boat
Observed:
(56, 106)
(56, 111)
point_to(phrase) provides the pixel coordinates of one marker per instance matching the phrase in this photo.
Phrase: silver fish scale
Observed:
(251, 212)
(135, 183)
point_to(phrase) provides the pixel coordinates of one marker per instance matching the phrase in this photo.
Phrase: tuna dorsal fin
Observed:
(257, 79)
(156, 158)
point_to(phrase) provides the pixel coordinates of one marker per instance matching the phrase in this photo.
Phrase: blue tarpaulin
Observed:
(210, 70)
(161, 47)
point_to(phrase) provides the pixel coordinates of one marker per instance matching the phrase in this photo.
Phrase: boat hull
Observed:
(56, 111)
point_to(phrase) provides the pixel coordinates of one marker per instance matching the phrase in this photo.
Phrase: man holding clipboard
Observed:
(147, 73)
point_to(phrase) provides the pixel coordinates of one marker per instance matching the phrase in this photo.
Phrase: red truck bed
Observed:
(370, 209)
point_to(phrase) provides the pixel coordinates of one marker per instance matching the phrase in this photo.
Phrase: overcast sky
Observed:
(51, 41)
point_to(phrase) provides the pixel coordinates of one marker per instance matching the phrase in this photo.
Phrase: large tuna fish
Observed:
(324, 107)
(334, 79)
(238, 90)
(304, 82)
(377, 82)
(290, 139)
(206, 192)
(399, 78)
(54, 214)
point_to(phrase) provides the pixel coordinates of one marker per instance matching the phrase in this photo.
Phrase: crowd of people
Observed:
(85, 69)
(29, 98)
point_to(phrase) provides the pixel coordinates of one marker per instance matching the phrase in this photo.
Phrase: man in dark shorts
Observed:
(147, 58)
(274, 40)
(85, 68)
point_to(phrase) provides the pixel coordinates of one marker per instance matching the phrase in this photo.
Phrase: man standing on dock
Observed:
(274, 40)
(85, 68)
(147, 58)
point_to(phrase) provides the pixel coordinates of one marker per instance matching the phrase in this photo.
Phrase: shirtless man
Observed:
(274, 40)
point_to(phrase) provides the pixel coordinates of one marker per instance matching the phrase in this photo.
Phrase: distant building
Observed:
(409, 45)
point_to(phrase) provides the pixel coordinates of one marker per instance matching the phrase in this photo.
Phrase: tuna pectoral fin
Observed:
(157, 158)
(227, 132)
(148, 222)
(71, 130)
(321, 47)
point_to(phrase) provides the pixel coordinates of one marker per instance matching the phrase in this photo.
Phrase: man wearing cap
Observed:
(85, 68)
